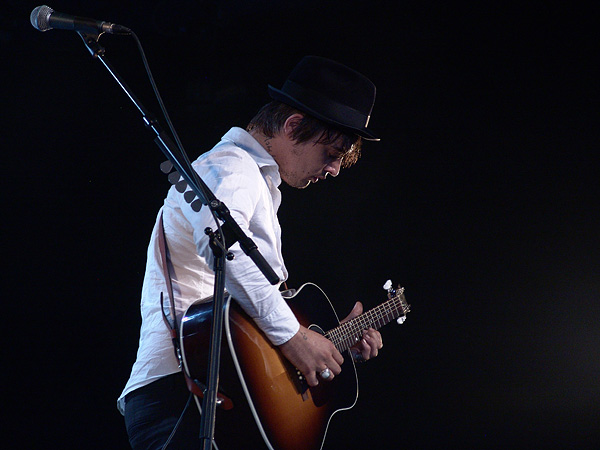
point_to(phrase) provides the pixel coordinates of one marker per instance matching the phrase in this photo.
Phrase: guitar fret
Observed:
(349, 333)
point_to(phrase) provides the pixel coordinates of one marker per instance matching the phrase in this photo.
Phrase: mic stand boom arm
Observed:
(231, 231)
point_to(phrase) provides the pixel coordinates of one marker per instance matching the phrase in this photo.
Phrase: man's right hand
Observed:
(311, 353)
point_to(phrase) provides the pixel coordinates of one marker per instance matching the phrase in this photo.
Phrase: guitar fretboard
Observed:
(349, 333)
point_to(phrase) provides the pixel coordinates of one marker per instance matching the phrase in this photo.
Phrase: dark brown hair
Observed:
(271, 118)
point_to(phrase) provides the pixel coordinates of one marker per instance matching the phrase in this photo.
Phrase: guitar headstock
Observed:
(397, 295)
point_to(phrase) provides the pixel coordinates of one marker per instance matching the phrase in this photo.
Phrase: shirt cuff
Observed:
(280, 325)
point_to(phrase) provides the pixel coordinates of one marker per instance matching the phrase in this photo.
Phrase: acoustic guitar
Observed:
(267, 400)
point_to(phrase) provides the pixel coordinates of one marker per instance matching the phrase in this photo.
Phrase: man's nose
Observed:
(333, 168)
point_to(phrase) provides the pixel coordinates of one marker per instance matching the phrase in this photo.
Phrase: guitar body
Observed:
(264, 387)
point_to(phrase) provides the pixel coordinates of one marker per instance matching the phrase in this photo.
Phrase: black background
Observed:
(481, 199)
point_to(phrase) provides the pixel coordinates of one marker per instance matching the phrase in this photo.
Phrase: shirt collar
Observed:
(244, 140)
(241, 138)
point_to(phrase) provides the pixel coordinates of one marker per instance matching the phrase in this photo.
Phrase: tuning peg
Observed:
(388, 285)
(401, 320)
(181, 186)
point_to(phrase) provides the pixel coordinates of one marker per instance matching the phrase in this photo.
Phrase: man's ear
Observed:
(291, 123)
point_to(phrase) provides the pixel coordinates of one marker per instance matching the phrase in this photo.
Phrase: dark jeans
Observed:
(152, 411)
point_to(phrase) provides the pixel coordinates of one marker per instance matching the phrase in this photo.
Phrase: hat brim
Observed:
(281, 96)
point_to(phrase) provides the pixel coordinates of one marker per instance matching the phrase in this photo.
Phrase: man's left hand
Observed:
(371, 342)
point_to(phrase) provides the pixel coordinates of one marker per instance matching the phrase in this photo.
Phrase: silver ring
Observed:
(325, 373)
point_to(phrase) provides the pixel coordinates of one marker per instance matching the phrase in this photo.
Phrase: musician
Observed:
(313, 127)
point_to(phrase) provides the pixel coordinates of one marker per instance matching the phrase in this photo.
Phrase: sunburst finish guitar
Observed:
(266, 398)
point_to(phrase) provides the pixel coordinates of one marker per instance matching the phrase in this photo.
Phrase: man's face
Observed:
(309, 162)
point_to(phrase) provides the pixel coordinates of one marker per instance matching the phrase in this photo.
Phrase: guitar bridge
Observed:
(301, 384)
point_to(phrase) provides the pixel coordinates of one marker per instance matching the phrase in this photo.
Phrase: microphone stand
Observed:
(231, 233)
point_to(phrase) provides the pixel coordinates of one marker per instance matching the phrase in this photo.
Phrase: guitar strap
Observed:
(171, 321)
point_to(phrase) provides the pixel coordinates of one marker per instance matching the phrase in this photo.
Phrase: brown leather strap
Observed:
(171, 324)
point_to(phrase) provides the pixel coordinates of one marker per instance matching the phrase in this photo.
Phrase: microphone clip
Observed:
(91, 42)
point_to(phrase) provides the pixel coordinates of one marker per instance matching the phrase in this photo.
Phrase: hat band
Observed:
(326, 107)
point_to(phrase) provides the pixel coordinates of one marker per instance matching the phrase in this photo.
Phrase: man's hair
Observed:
(271, 118)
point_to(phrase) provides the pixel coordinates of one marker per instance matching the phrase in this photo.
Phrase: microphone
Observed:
(44, 18)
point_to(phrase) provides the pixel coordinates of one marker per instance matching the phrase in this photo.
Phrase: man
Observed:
(313, 127)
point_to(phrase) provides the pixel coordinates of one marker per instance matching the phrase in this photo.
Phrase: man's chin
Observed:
(300, 184)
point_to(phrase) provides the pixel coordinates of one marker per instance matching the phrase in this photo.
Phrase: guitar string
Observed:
(348, 333)
(377, 317)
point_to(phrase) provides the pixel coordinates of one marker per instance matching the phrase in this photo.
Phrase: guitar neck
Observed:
(349, 333)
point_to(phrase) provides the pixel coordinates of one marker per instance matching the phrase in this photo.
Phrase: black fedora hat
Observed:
(331, 92)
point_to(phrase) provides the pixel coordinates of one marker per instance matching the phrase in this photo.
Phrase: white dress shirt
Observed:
(243, 175)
